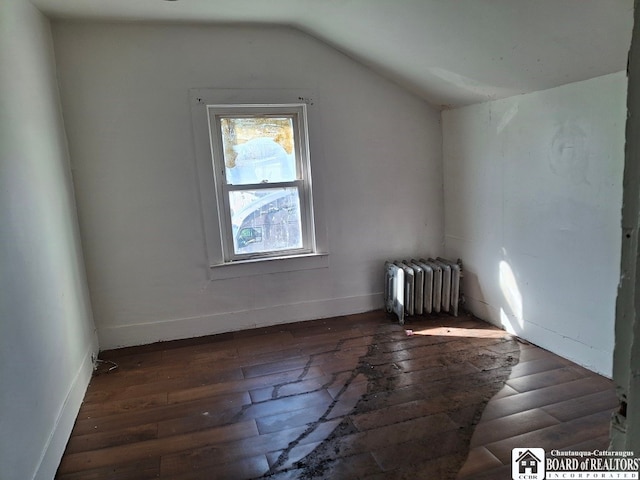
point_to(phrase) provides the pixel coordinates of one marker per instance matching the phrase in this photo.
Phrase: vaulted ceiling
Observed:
(449, 52)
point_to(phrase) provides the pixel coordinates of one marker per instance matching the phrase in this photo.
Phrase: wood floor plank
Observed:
(288, 404)
(498, 473)
(356, 466)
(254, 358)
(122, 436)
(231, 451)
(294, 388)
(197, 415)
(383, 438)
(505, 391)
(293, 456)
(209, 390)
(543, 396)
(479, 460)
(539, 380)
(582, 406)
(536, 353)
(393, 414)
(260, 344)
(156, 447)
(345, 397)
(427, 447)
(537, 366)
(275, 367)
(169, 378)
(84, 426)
(104, 408)
(554, 437)
(296, 418)
(596, 443)
(244, 469)
(144, 469)
(324, 327)
(216, 351)
(511, 426)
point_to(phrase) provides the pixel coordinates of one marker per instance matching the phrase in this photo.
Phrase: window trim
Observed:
(217, 268)
(298, 113)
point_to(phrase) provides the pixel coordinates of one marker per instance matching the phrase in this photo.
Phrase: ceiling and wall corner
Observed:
(449, 53)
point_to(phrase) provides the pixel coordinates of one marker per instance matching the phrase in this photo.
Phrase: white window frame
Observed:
(218, 267)
(298, 114)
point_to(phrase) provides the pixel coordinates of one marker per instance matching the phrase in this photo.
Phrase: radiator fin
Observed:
(419, 287)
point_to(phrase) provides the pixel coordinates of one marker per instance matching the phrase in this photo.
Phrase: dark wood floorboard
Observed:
(342, 398)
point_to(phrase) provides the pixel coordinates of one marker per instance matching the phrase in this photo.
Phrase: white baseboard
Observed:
(173, 329)
(57, 442)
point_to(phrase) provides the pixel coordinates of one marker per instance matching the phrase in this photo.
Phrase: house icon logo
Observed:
(527, 464)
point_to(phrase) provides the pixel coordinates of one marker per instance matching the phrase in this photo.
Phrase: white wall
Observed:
(533, 191)
(46, 328)
(125, 95)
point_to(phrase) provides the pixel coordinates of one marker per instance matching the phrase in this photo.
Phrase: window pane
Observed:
(265, 220)
(258, 149)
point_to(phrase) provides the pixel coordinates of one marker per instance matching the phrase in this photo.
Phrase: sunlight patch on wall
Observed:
(511, 293)
(506, 322)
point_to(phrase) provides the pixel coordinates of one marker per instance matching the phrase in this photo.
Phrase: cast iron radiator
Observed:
(420, 287)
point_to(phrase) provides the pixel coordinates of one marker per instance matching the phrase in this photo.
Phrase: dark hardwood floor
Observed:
(342, 398)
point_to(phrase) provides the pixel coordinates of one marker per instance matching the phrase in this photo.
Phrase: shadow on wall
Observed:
(471, 283)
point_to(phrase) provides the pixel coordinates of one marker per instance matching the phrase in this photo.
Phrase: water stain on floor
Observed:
(409, 406)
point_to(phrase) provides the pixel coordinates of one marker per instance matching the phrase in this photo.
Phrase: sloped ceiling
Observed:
(449, 52)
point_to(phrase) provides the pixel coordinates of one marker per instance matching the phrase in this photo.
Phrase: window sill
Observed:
(261, 266)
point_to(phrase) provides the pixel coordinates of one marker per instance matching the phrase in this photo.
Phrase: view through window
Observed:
(262, 175)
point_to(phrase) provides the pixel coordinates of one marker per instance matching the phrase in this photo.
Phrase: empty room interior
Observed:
(198, 198)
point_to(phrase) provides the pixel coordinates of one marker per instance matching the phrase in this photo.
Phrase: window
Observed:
(253, 152)
(262, 178)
